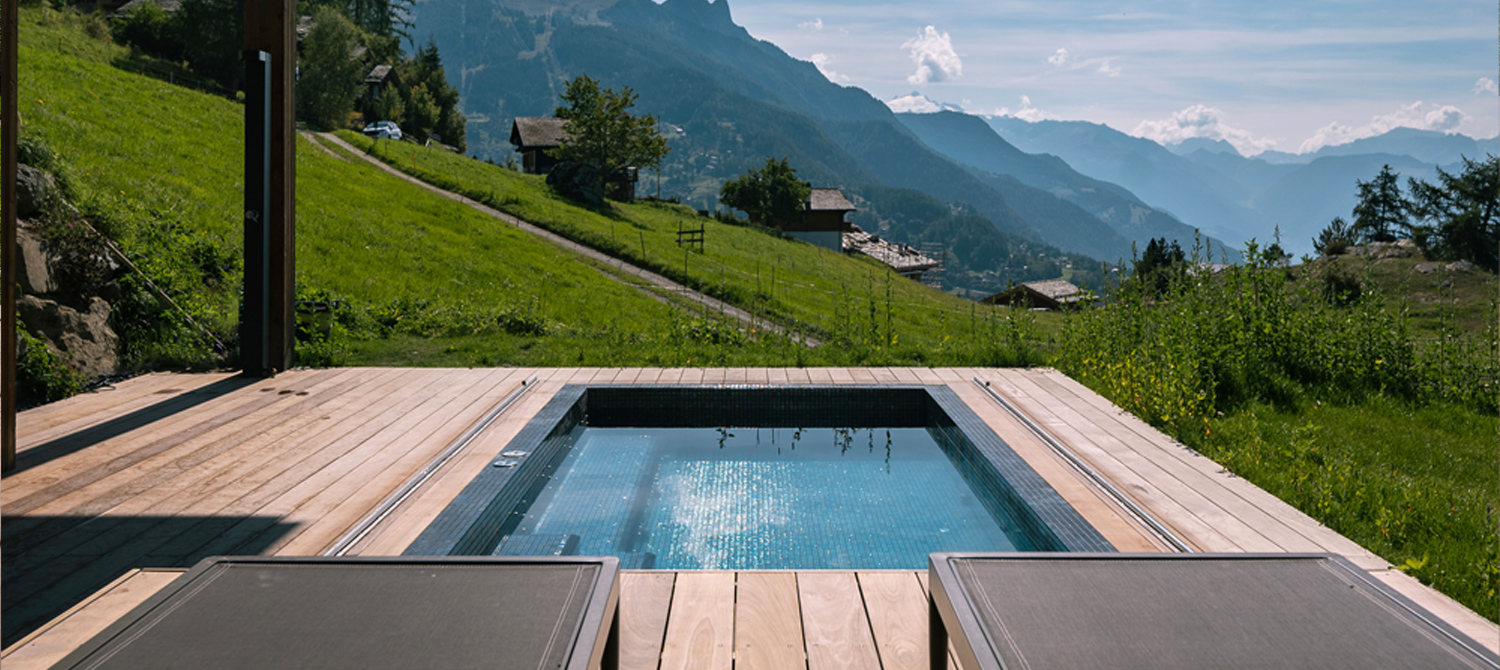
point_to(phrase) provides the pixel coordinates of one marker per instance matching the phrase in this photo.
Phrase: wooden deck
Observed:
(169, 468)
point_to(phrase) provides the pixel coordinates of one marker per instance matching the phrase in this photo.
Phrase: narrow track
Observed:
(705, 304)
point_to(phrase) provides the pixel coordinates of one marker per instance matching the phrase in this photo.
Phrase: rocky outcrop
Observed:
(33, 189)
(82, 337)
(74, 326)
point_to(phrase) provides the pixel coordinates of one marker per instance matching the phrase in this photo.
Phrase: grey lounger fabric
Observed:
(458, 612)
(1164, 611)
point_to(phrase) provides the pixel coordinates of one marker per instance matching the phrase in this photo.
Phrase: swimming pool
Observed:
(757, 478)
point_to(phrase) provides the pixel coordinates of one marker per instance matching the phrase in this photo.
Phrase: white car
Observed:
(383, 130)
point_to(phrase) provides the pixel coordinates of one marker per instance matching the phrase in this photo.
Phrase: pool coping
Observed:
(472, 523)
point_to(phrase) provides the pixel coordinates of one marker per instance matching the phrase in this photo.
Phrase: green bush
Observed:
(41, 376)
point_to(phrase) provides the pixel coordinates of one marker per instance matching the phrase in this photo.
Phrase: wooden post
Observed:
(10, 126)
(269, 27)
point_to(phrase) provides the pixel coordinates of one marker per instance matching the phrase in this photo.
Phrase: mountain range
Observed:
(1069, 191)
(1210, 185)
(727, 102)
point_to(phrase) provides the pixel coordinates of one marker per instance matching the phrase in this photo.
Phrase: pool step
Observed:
(522, 544)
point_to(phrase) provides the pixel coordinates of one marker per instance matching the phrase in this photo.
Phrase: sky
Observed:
(1288, 75)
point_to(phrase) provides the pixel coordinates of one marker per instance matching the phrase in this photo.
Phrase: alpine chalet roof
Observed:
(828, 200)
(542, 132)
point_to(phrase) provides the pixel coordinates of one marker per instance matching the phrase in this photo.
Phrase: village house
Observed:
(533, 137)
(822, 221)
(380, 77)
(1053, 294)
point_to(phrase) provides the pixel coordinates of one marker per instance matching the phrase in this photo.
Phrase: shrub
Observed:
(41, 376)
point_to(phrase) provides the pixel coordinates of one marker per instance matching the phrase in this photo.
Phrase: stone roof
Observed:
(378, 74)
(828, 200)
(168, 6)
(1051, 294)
(543, 132)
(903, 259)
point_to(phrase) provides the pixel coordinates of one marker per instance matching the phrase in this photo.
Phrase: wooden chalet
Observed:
(822, 221)
(380, 77)
(532, 137)
(1054, 294)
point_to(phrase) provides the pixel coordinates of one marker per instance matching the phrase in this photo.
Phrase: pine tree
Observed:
(1381, 211)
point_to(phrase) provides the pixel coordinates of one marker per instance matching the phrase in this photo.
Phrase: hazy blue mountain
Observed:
(1192, 144)
(969, 140)
(1198, 196)
(1428, 146)
(1303, 201)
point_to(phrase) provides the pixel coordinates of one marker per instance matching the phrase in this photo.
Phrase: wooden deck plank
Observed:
(819, 375)
(692, 376)
(840, 375)
(165, 534)
(777, 376)
(645, 600)
(798, 376)
(421, 432)
(922, 577)
(833, 619)
(102, 494)
(648, 376)
(897, 608)
(86, 456)
(49, 644)
(1247, 525)
(767, 622)
(1188, 514)
(700, 628)
(862, 376)
(1269, 511)
(670, 376)
(70, 415)
(1121, 530)
(341, 504)
(400, 529)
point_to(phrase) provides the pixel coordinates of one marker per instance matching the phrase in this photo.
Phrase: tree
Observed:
(772, 192)
(331, 77)
(387, 106)
(1462, 213)
(1334, 239)
(1161, 263)
(601, 131)
(443, 119)
(1381, 210)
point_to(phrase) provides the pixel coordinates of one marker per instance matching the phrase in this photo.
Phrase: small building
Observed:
(822, 219)
(532, 137)
(380, 77)
(1053, 294)
(906, 261)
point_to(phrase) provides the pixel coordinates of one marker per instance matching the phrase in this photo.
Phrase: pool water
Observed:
(766, 498)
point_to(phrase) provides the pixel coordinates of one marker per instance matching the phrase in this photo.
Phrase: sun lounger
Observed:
(408, 612)
(1164, 611)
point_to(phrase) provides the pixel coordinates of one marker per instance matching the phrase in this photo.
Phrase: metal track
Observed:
(384, 509)
(1160, 531)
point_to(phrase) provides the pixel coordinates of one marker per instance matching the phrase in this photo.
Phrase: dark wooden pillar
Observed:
(10, 127)
(269, 28)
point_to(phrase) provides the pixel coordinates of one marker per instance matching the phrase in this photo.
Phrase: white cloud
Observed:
(1027, 112)
(1201, 121)
(824, 62)
(1105, 69)
(1419, 115)
(1486, 85)
(933, 53)
(815, 24)
(917, 103)
(1059, 58)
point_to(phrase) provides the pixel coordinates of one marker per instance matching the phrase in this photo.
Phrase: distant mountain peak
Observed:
(916, 103)
(1193, 144)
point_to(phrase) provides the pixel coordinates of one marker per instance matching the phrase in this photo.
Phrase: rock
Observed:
(84, 339)
(577, 181)
(1460, 266)
(1426, 268)
(32, 270)
(33, 189)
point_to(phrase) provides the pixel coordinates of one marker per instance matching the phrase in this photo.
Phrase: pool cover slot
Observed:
(1155, 527)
